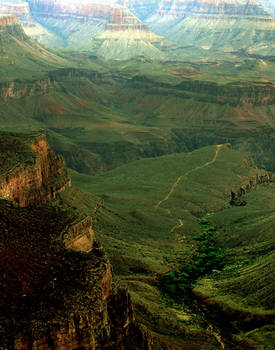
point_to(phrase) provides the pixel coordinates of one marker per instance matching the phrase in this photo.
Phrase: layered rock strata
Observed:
(8, 20)
(122, 20)
(111, 30)
(20, 10)
(38, 178)
(56, 289)
(226, 24)
(17, 90)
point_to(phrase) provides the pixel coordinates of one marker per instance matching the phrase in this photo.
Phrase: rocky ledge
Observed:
(30, 172)
(8, 20)
(56, 288)
(20, 10)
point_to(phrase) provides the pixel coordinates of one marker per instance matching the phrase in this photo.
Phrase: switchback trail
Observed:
(179, 225)
(218, 148)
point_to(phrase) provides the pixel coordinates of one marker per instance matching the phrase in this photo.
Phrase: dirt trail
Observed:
(218, 148)
(179, 225)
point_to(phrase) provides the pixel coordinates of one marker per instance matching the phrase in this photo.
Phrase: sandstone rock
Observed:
(56, 288)
(37, 181)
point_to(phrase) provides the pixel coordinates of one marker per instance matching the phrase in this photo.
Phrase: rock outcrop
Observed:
(111, 30)
(79, 236)
(262, 178)
(17, 89)
(56, 289)
(222, 24)
(19, 9)
(121, 19)
(38, 178)
(125, 36)
(8, 20)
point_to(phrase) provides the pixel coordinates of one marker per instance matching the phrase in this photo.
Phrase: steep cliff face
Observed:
(219, 7)
(125, 36)
(19, 9)
(113, 31)
(17, 89)
(8, 20)
(41, 176)
(221, 24)
(55, 279)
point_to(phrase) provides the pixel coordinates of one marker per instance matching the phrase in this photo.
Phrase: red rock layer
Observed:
(39, 182)
(21, 89)
(8, 20)
(122, 19)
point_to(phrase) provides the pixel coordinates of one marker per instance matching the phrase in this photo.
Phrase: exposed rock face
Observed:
(126, 36)
(179, 8)
(122, 19)
(63, 9)
(21, 89)
(262, 178)
(79, 236)
(19, 9)
(56, 287)
(37, 181)
(8, 20)
(226, 24)
(111, 30)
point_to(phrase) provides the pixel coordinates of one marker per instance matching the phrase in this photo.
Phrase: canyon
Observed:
(164, 134)
(125, 29)
(220, 25)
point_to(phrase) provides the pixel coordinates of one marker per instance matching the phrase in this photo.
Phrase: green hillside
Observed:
(167, 194)
(155, 146)
(101, 115)
(146, 215)
(21, 57)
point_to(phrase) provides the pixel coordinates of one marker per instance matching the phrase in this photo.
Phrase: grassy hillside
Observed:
(244, 290)
(248, 233)
(103, 115)
(167, 194)
(146, 214)
(22, 57)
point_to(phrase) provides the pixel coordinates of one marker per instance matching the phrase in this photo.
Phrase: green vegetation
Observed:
(247, 234)
(146, 241)
(100, 115)
(16, 152)
(142, 119)
(178, 284)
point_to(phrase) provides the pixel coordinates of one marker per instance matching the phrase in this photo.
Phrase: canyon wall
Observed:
(36, 182)
(8, 20)
(17, 89)
(57, 289)
(20, 10)
(223, 24)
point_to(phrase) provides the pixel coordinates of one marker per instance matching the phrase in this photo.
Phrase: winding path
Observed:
(218, 148)
(179, 225)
